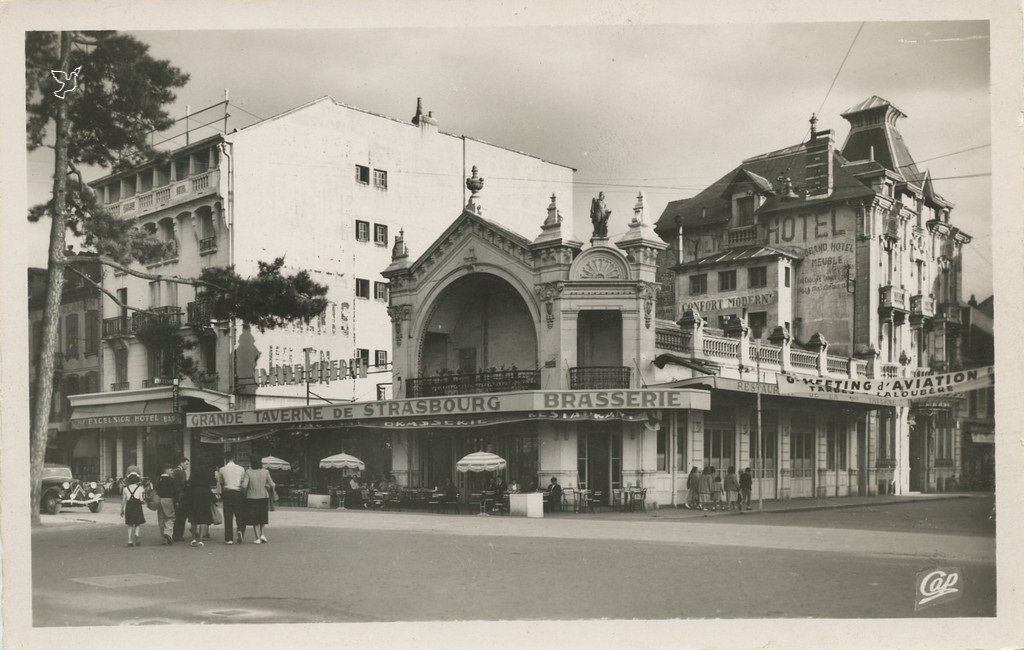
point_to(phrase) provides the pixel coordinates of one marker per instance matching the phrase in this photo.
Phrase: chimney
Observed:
(818, 177)
(426, 122)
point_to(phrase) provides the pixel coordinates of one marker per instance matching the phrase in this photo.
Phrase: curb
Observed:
(838, 506)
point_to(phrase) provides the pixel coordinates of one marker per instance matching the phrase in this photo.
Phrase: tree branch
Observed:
(87, 257)
(98, 286)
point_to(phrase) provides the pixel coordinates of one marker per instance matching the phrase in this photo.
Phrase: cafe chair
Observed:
(569, 495)
(594, 499)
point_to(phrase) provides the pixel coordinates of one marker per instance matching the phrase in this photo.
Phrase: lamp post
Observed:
(307, 351)
(760, 448)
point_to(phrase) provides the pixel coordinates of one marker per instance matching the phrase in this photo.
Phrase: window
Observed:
(121, 365)
(835, 445)
(380, 291)
(787, 276)
(718, 443)
(380, 358)
(727, 281)
(362, 288)
(758, 321)
(801, 445)
(769, 442)
(380, 234)
(943, 436)
(208, 348)
(745, 211)
(171, 299)
(886, 441)
(380, 179)
(757, 277)
(972, 403)
(362, 174)
(154, 294)
(723, 320)
(71, 336)
(92, 332)
(363, 355)
(362, 230)
(662, 449)
(698, 284)
(122, 297)
(467, 360)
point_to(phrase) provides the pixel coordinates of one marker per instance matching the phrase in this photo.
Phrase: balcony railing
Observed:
(599, 378)
(199, 312)
(766, 354)
(497, 381)
(207, 245)
(717, 346)
(742, 235)
(922, 305)
(890, 370)
(116, 326)
(669, 339)
(891, 297)
(803, 360)
(119, 385)
(837, 364)
(165, 314)
(177, 192)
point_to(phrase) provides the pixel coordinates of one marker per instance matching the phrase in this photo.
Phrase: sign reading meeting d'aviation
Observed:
(901, 388)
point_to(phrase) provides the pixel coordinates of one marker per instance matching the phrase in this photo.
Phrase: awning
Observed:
(144, 407)
(752, 387)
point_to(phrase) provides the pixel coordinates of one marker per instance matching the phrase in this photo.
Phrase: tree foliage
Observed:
(269, 299)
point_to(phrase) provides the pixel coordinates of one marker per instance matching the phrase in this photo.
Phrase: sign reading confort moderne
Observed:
(543, 400)
(904, 388)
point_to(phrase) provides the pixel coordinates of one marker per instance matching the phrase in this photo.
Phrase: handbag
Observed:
(152, 499)
(218, 519)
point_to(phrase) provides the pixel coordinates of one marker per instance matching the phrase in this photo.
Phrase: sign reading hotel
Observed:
(435, 407)
(904, 388)
(131, 420)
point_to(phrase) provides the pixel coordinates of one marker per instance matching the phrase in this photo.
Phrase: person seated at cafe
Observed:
(513, 487)
(499, 487)
(554, 495)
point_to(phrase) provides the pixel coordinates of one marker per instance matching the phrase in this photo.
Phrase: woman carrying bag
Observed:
(257, 486)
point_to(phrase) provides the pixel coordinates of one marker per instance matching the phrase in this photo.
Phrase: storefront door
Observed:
(918, 451)
(599, 447)
(802, 445)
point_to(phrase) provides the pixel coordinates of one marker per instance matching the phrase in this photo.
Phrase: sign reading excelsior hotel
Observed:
(541, 400)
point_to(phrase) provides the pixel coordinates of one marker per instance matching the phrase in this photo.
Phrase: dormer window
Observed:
(745, 206)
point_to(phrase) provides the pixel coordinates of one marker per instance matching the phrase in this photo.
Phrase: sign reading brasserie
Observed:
(901, 388)
(549, 400)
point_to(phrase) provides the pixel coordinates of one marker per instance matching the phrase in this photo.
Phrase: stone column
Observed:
(781, 337)
(401, 456)
(692, 323)
(737, 328)
(819, 345)
(139, 456)
(784, 465)
(119, 454)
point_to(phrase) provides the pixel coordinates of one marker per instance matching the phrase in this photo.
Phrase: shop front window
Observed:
(719, 447)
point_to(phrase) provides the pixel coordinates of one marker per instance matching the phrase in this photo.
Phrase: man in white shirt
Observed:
(229, 478)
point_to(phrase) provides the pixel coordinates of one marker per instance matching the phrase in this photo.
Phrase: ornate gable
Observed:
(600, 263)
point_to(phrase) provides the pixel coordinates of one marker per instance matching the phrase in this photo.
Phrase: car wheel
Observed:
(51, 504)
(95, 507)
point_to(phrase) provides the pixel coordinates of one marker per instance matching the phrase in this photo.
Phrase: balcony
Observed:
(496, 381)
(162, 314)
(119, 385)
(199, 312)
(742, 235)
(599, 378)
(892, 299)
(195, 186)
(672, 339)
(948, 312)
(891, 228)
(923, 306)
(208, 245)
(114, 327)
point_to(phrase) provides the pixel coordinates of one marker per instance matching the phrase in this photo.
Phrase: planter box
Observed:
(318, 501)
(530, 504)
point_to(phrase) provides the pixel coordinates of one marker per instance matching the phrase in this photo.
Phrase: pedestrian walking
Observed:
(716, 490)
(692, 489)
(704, 487)
(229, 478)
(732, 489)
(200, 504)
(131, 507)
(180, 514)
(258, 486)
(746, 486)
(169, 495)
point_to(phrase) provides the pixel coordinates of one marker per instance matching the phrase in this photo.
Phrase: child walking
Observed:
(131, 507)
(716, 490)
(732, 488)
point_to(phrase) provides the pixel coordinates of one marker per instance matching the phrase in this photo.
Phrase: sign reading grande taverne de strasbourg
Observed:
(903, 388)
(550, 400)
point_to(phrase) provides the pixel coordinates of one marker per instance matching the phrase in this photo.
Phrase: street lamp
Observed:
(307, 351)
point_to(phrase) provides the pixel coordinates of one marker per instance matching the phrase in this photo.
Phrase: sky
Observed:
(666, 109)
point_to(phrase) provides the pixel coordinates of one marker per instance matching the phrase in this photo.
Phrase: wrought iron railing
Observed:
(599, 377)
(199, 312)
(497, 381)
(207, 244)
(164, 314)
(116, 326)
(119, 385)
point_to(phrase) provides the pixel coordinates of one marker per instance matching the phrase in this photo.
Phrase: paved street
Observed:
(340, 566)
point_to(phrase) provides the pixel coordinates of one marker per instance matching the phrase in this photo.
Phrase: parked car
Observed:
(61, 489)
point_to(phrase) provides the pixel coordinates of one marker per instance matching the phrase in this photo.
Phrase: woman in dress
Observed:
(707, 480)
(257, 484)
(199, 501)
(131, 507)
(692, 489)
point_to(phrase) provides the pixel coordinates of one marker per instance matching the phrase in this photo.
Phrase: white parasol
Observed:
(273, 462)
(481, 461)
(342, 461)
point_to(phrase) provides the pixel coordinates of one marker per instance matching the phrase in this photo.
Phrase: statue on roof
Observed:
(599, 216)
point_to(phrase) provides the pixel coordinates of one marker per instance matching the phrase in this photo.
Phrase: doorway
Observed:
(918, 451)
(599, 457)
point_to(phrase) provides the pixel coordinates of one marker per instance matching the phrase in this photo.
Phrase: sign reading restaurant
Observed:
(541, 400)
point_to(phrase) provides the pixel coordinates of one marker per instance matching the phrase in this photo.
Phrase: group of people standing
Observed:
(179, 494)
(707, 491)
